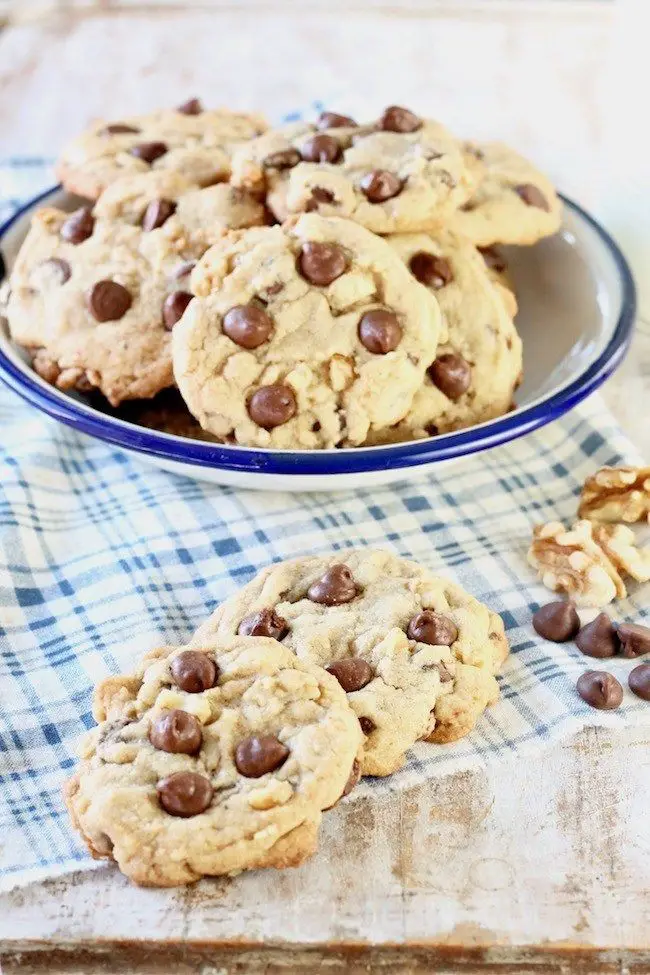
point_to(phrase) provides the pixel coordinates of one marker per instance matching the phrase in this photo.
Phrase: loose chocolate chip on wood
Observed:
(157, 213)
(283, 159)
(380, 185)
(600, 690)
(398, 119)
(194, 671)
(598, 638)
(367, 725)
(271, 406)
(191, 107)
(432, 628)
(336, 586)
(557, 621)
(108, 301)
(177, 732)
(247, 326)
(259, 754)
(352, 673)
(79, 226)
(380, 331)
(320, 149)
(532, 196)
(332, 120)
(451, 374)
(634, 639)
(265, 622)
(58, 268)
(149, 151)
(321, 263)
(431, 270)
(174, 306)
(639, 681)
(119, 128)
(185, 794)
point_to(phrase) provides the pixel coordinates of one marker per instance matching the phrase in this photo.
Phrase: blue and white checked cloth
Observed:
(102, 559)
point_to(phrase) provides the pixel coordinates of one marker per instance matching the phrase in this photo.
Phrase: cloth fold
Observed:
(102, 558)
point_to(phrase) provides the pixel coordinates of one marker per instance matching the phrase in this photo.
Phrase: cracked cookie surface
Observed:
(303, 336)
(416, 653)
(213, 761)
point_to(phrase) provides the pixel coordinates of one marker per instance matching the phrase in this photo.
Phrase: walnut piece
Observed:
(619, 544)
(616, 494)
(572, 562)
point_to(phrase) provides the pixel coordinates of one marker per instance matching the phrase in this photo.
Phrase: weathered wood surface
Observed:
(539, 865)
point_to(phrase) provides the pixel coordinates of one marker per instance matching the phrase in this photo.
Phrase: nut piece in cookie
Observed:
(391, 175)
(513, 203)
(213, 760)
(572, 561)
(415, 654)
(303, 336)
(616, 494)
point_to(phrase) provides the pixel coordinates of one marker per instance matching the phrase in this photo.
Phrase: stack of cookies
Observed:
(325, 284)
(222, 755)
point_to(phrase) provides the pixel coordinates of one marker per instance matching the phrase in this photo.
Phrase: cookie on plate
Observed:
(191, 140)
(400, 173)
(303, 336)
(476, 371)
(213, 760)
(514, 203)
(497, 266)
(415, 653)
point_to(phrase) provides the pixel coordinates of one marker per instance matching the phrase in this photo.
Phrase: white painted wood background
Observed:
(543, 863)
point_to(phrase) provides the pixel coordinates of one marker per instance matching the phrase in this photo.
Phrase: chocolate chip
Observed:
(107, 301)
(59, 269)
(451, 374)
(185, 794)
(380, 185)
(174, 306)
(148, 151)
(156, 213)
(191, 107)
(634, 639)
(639, 681)
(271, 406)
(334, 587)
(332, 120)
(431, 270)
(353, 778)
(266, 622)
(194, 671)
(397, 119)
(598, 638)
(321, 149)
(284, 159)
(247, 326)
(119, 128)
(79, 226)
(532, 196)
(184, 269)
(177, 732)
(320, 195)
(380, 331)
(259, 754)
(600, 690)
(432, 628)
(557, 621)
(367, 725)
(493, 259)
(321, 263)
(352, 673)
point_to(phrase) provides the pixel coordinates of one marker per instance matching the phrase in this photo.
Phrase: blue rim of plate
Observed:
(448, 446)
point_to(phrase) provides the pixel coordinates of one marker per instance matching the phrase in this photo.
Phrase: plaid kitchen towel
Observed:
(102, 559)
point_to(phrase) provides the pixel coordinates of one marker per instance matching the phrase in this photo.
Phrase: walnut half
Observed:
(572, 562)
(616, 494)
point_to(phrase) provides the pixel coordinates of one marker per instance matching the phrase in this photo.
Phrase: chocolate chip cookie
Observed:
(475, 372)
(513, 203)
(399, 173)
(307, 335)
(213, 760)
(189, 139)
(415, 654)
